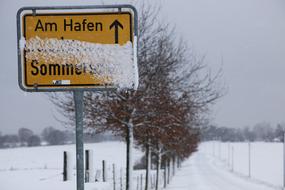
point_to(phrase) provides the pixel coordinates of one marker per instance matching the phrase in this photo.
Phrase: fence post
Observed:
(121, 179)
(87, 153)
(213, 148)
(154, 179)
(114, 177)
(151, 181)
(249, 160)
(141, 182)
(232, 158)
(64, 166)
(138, 183)
(67, 166)
(104, 171)
(229, 155)
(220, 150)
(89, 167)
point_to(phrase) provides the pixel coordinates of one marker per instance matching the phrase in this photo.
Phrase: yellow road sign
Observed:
(61, 48)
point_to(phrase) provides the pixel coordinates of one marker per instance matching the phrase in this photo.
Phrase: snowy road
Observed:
(198, 173)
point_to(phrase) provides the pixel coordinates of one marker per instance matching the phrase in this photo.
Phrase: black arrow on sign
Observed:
(116, 24)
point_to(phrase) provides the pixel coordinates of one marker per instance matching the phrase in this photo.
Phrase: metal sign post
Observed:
(78, 101)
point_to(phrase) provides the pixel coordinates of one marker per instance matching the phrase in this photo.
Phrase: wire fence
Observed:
(259, 161)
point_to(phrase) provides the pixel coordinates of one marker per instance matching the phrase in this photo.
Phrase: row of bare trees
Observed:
(262, 131)
(163, 115)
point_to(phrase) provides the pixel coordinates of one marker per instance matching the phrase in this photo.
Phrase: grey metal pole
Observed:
(129, 160)
(232, 158)
(213, 148)
(284, 159)
(220, 150)
(249, 160)
(229, 155)
(78, 101)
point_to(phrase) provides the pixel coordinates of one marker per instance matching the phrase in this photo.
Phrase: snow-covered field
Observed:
(216, 166)
(40, 168)
(211, 168)
(260, 161)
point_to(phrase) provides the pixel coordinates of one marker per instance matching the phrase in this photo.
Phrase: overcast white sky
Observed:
(248, 34)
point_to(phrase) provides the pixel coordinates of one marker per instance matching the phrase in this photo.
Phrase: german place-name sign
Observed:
(59, 50)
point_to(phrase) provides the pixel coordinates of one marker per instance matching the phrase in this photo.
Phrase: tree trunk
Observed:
(158, 166)
(173, 166)
(129, 170)
(168, 170)
(148, 166)
(165, 174)
(178, 162)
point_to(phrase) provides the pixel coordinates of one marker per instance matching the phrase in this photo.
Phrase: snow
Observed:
(22, 43)
(69, 166)
(200, 173)
(136, 73)
(112, 63)
(211, 167)
(41, 167)
(266, 163)
(208, 169)
(216, 167)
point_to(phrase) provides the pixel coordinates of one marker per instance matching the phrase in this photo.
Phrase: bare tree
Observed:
(34, 140)
(174, 93)
(24, 135)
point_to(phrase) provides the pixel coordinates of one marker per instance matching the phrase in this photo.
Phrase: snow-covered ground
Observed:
(40, 168)
(211, 168)
(261, 161)
(216, 166)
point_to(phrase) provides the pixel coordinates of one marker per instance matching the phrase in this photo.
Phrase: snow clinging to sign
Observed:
(110, 63)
